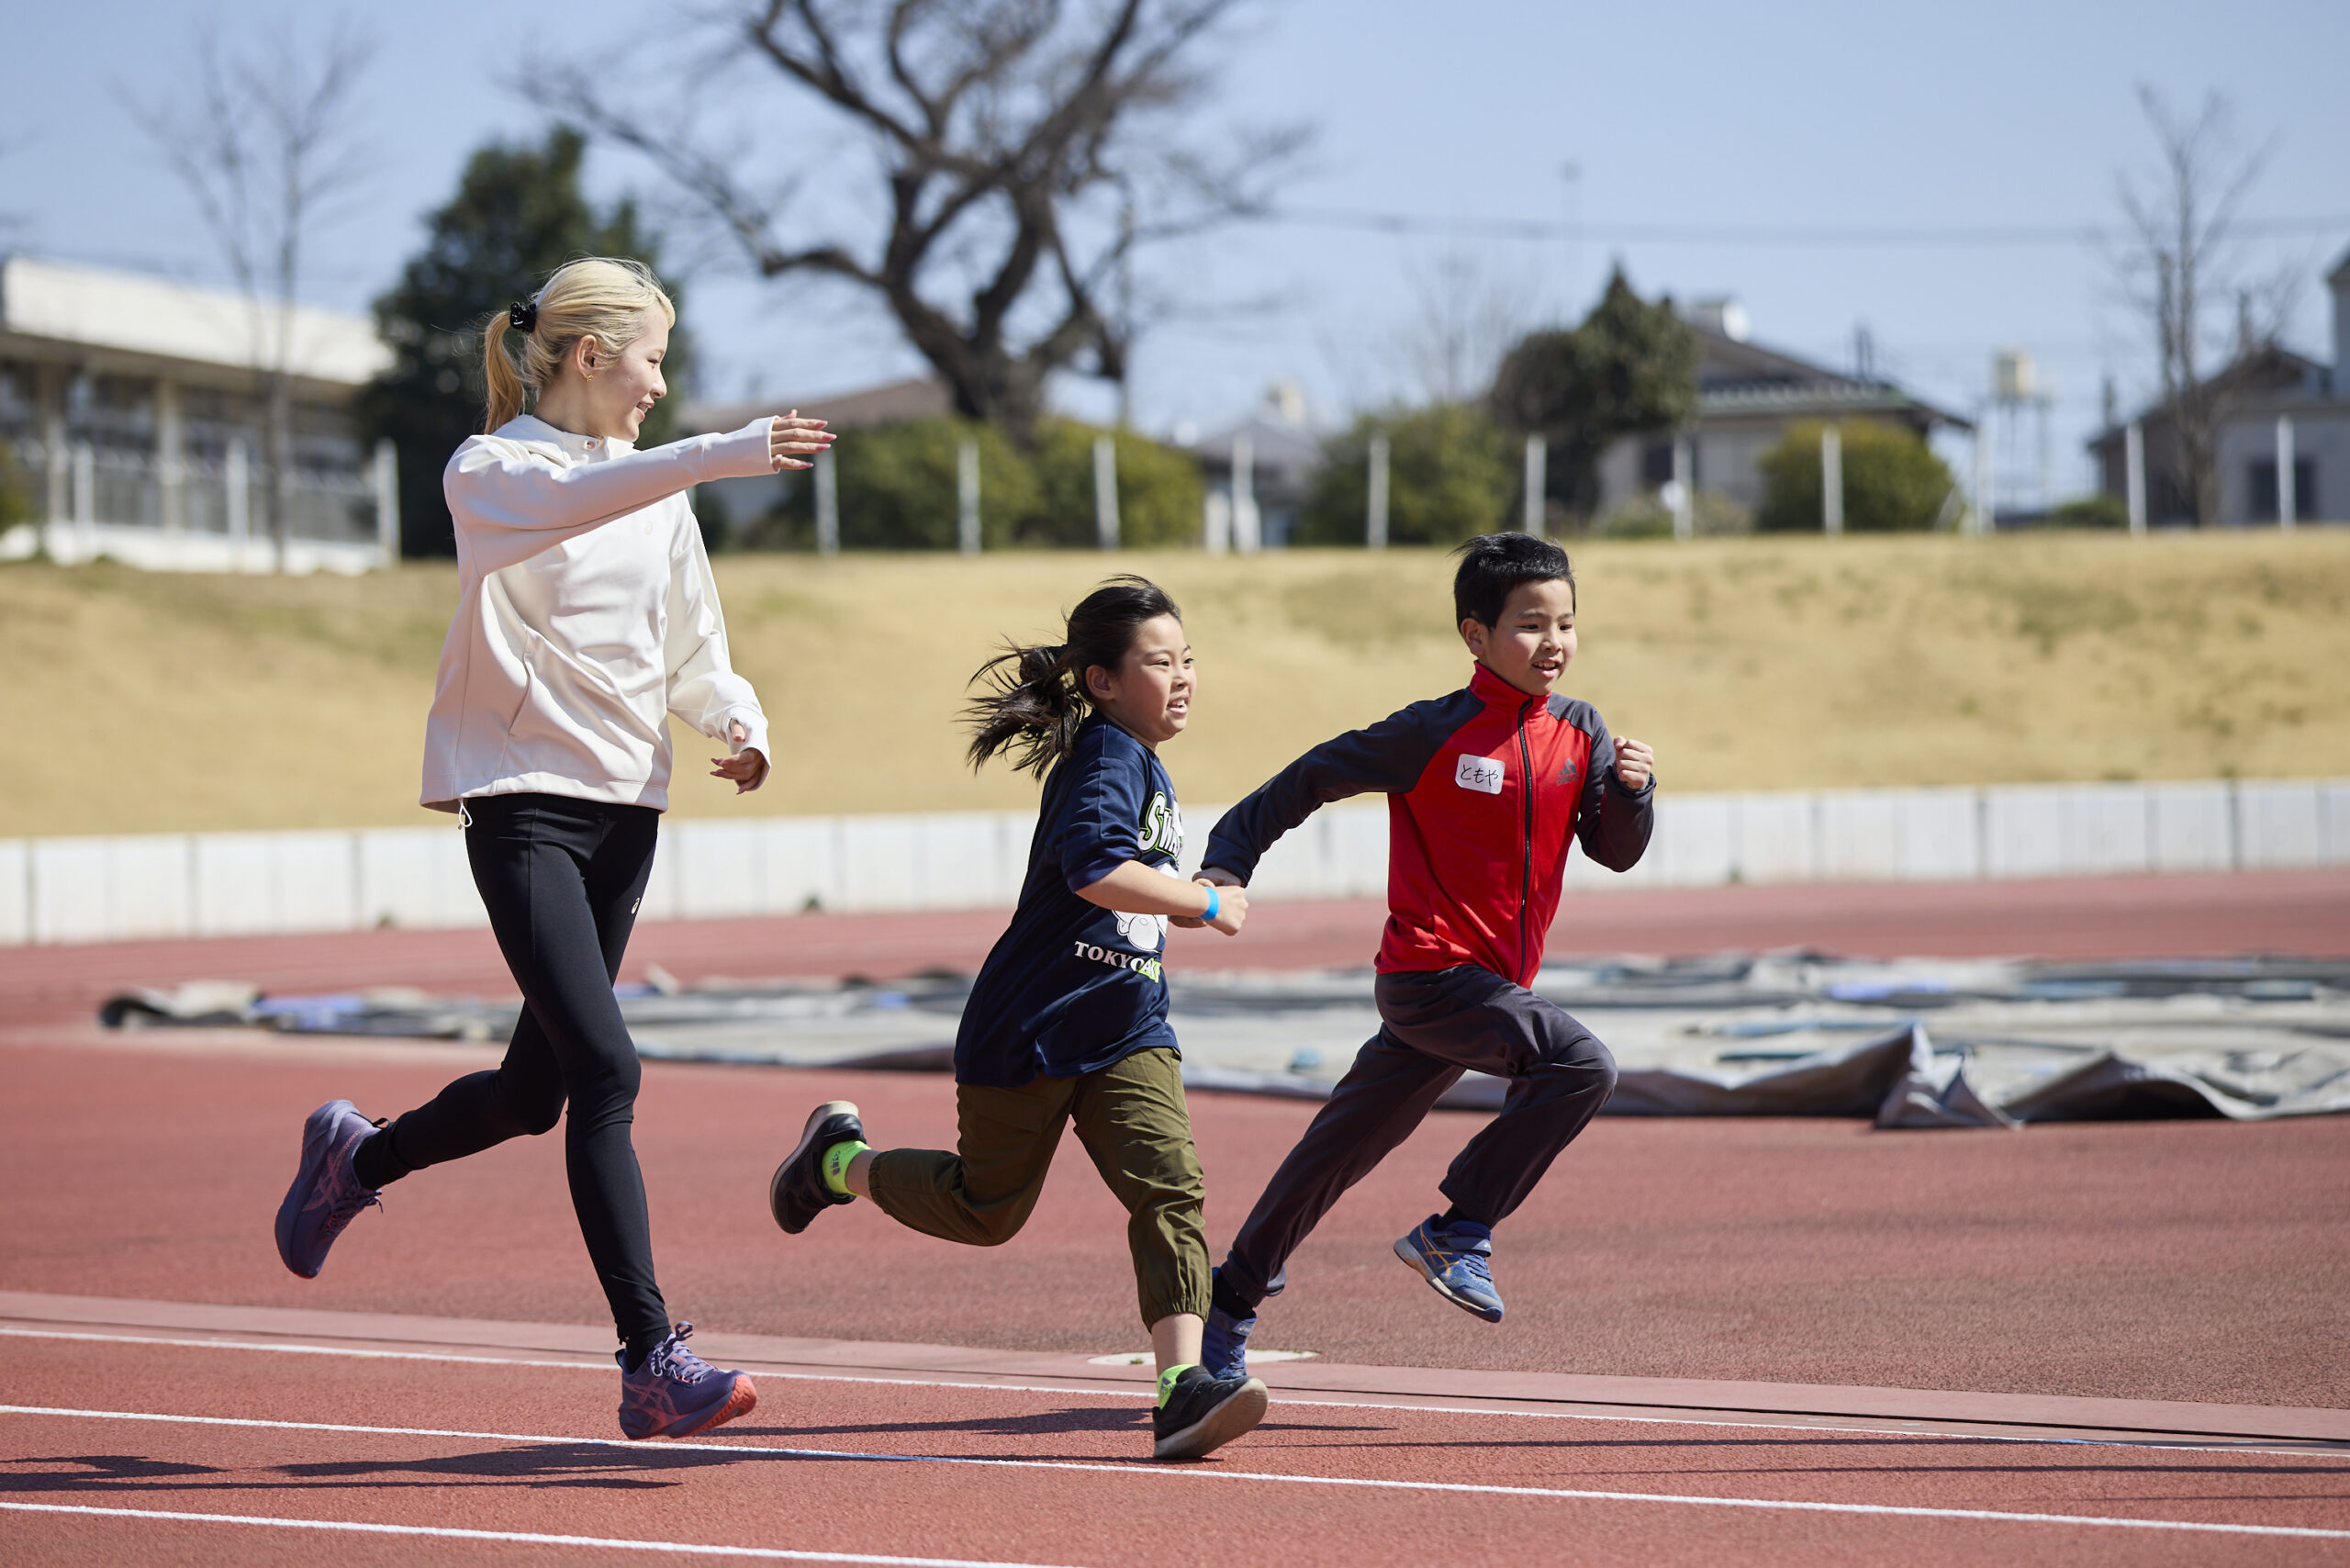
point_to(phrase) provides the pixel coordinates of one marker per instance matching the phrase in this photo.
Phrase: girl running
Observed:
(587, 614)
(1068, 1019)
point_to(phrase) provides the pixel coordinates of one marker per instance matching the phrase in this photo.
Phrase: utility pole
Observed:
(967, 497)
(1374, 530)
(1831, 480)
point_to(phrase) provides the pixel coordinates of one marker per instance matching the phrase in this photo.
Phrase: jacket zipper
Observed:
(1526, 872)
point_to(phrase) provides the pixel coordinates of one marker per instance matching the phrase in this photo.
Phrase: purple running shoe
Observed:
(677, 1393)
(326, 1196)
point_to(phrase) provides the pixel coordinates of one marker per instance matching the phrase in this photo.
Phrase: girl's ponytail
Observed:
(498, 375)
(1035, 699)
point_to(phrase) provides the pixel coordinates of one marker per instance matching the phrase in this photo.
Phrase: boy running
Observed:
(1486, 789)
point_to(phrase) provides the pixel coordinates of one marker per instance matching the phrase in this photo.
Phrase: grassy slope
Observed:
(152, 702)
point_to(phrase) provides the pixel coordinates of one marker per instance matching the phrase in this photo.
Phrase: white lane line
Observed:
(514, 1538)
(1295, 1397)
(1779, 1505)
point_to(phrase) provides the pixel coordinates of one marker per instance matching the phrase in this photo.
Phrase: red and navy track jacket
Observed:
(1486, 791)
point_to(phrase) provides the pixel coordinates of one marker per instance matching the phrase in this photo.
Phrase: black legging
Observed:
(562, 880)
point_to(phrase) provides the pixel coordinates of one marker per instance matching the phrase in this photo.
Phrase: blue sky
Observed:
(1819, 116)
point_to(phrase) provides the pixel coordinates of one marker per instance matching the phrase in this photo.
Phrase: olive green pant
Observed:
(1131, 1118)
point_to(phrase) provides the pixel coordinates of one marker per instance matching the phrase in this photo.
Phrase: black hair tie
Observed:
(524, 315)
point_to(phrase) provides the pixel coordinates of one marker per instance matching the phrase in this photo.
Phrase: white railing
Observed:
(225, 884)
(200, 514)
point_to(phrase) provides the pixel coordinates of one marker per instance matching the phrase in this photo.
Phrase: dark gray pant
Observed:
(1433, 1028)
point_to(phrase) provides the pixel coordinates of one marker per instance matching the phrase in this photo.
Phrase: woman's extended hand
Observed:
(789, 435)
(747, 769)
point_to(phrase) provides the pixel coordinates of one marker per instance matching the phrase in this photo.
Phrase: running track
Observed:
(1963, 1344)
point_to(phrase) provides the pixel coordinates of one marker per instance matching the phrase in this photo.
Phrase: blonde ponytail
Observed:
(602, 297)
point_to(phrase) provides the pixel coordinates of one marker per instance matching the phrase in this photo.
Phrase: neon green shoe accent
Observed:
(1167, 1379)
(836, 1160)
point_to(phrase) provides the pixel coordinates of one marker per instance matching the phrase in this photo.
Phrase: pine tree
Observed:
(518, 214)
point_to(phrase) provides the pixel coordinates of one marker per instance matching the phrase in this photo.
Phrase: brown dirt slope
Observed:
(149, 702)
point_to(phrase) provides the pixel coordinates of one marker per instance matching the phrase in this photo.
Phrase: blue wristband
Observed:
(1216, 902)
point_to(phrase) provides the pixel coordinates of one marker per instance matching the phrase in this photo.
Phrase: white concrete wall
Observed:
(223, 884)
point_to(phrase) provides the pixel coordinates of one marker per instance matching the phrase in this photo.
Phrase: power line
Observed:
(1924, 235)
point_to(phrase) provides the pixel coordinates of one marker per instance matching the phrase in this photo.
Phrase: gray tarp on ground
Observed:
(1909, 1045)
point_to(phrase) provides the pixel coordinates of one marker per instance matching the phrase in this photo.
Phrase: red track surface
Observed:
(2178, 1260)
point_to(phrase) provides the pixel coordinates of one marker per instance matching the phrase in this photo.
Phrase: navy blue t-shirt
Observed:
(1072, 988)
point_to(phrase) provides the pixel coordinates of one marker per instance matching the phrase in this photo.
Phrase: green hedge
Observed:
(898, 490)
(1893, 481)
(1452, 472)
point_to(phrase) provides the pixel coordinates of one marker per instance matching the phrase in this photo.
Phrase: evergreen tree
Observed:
(519, 214)
(1631, 367)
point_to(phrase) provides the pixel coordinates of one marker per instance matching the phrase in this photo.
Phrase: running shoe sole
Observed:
(1418, 1265)
(1236, 1417)
(816, 1120)
(742, 1401)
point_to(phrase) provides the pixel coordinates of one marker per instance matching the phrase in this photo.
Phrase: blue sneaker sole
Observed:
(1418, 1265)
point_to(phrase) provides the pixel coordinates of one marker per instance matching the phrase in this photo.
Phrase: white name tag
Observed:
(1482, 774)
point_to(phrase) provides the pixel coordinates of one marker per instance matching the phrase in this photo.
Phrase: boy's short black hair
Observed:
(1493, 565)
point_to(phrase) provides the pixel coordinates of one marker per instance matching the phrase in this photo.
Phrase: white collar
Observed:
(578, 448)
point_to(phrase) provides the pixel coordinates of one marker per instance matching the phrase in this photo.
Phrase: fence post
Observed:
(237, 495)
(2285, 496)
(1538, 465)
(388, 501)
(1831, 479)
(1684, 498)
(967, 497)
(1105, 491)
(1374, 531)
(2133, 476)
(86, 498)
(828, 506)
(1247, 525)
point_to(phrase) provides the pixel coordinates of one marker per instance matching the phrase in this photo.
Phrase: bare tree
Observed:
(1025, 149)
(1465, 317)
(2182, 265)
(266, 143)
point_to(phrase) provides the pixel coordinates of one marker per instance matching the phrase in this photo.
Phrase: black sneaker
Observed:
(797, 1193)
(1203, 1413)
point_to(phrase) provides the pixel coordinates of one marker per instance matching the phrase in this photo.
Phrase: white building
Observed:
(132, 415)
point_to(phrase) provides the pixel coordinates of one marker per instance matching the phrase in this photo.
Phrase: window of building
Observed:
(2262, 474)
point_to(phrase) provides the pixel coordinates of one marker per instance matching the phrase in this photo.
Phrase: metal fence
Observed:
(201, 512)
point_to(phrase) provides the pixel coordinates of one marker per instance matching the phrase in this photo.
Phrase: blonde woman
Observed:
(586, 615)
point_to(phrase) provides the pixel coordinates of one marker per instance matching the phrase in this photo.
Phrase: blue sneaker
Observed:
(1223, 1343)
(1454, 1260)
(326, 1194)
(677, 1393)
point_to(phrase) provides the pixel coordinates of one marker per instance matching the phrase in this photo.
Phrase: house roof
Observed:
(2269, 378)
(1737, 377)
(1273, 444)
(54, 310)
(892, 402)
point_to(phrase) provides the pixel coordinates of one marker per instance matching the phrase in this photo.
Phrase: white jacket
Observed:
(586, 614)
